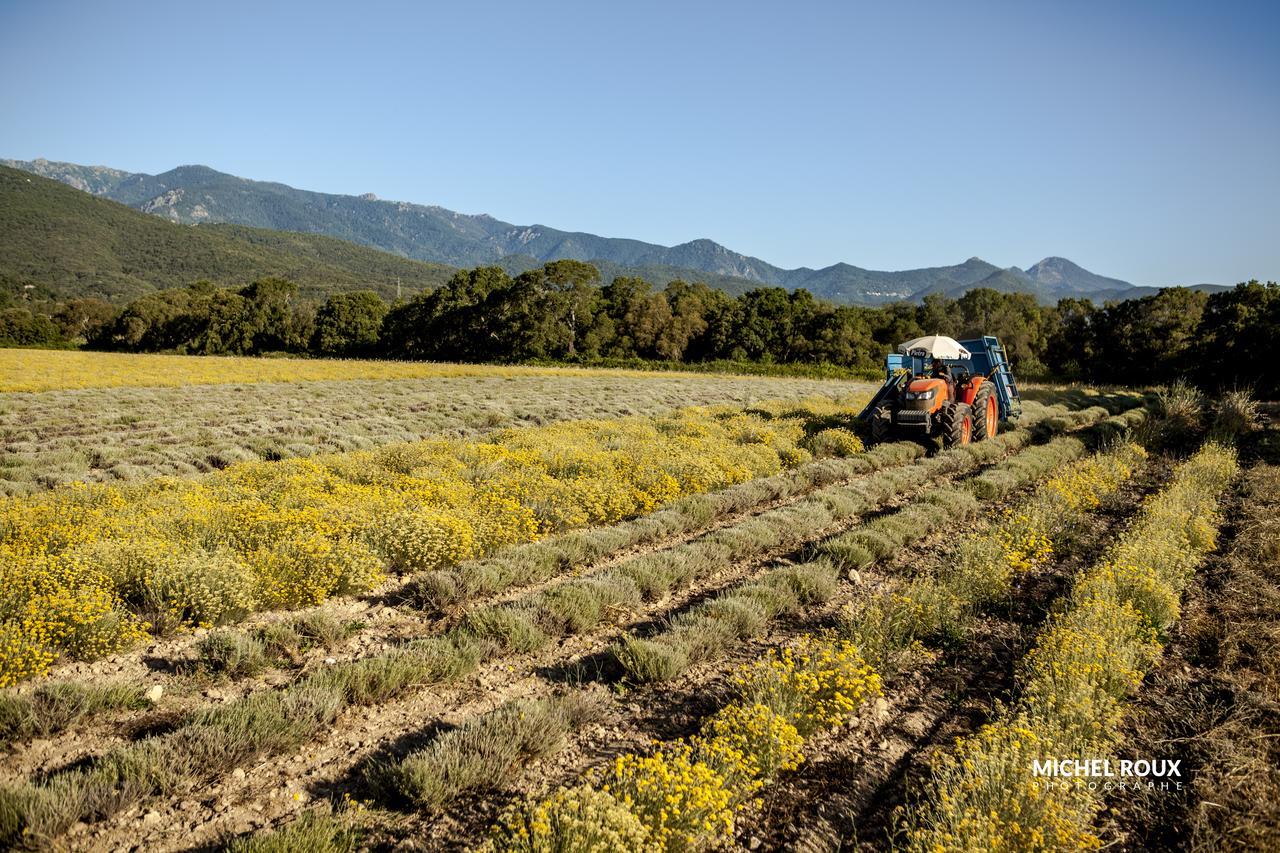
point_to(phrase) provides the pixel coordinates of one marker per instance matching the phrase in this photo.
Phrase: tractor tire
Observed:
(881, 424)
(955, 422)
(986, 414)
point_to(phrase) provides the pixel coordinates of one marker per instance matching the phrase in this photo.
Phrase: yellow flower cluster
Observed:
(680, 799)
(580, 819)
(985, 795)
(1083, 486)
(816, 683)
(835, 441)
(1034, 814)
(1026, 545)
(82, 568)
(749, 743)
(685, 795)
(1026, 535)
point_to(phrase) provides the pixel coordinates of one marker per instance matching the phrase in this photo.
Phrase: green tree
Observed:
(348, 324)
(1237, 330)
(1071, 347)
(1148, 340)
(220, 326)
(268, 316)
(693, 309)
(82, 319)
(20, 327)
(460, 320)
(939, 315)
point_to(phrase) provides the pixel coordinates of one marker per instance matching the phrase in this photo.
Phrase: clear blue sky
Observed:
(1140, 140)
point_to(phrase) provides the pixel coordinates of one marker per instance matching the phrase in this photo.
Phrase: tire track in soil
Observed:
(844, 798)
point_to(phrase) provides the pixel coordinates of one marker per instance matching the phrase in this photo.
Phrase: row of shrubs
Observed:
(438, 591)
(484, 751)
(580, 603)
(986, 794)
(941, 603)
(682, 795)
(712, 626)
(577, 604)
(54, 706)
(219, 739)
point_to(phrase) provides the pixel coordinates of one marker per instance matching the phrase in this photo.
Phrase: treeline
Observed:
(562, 312)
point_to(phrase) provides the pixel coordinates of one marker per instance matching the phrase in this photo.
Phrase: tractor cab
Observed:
(937, 387)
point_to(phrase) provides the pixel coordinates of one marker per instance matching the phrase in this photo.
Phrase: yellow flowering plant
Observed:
(580, 819)
(815, 683)
(682, 802)
(748, 744)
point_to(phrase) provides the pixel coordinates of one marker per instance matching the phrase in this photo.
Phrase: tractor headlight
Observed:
(922, 395)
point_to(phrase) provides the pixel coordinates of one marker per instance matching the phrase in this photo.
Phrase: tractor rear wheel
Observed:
(986, 414)
(955, 422)
(881, 424)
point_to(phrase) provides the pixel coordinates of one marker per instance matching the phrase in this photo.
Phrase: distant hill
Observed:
(72, 244)
(201, 195)
(1063, 278)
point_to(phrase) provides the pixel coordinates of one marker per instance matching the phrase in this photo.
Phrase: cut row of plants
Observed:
(1072, 685)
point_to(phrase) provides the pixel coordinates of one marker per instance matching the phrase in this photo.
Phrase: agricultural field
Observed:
(95, 417)
(696, 622)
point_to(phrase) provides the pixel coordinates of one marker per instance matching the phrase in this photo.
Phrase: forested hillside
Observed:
(65, 243)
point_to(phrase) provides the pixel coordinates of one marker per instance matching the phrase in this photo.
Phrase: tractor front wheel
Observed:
(955, 422)
(986, 414)
(881, 424)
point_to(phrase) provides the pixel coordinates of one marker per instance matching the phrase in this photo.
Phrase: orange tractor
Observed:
(937, 387)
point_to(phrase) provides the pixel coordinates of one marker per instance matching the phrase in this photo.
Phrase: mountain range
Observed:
(199, 195)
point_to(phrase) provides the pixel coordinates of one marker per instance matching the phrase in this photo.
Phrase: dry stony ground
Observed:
(99, 434)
